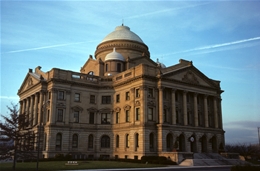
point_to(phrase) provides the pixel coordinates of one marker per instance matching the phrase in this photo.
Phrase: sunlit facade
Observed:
(122, 104)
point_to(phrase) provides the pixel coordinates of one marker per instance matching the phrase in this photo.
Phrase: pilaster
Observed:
(185, 118)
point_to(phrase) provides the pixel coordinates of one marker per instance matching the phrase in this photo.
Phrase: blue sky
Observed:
(222, 38)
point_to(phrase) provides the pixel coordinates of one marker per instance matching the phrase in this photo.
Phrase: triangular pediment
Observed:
(190, 75)
(30, 80)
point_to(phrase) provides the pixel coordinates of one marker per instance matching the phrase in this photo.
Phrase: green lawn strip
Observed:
(60, 165)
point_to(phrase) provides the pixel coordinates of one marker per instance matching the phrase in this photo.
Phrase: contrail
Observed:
(165, 10)
(45, 47)
(214, 47)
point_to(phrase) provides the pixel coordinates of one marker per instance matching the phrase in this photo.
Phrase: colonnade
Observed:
(215, 108)
(32, 107)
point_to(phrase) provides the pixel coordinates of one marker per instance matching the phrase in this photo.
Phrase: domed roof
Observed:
(160, 64)
(122, 32)
(114, 56)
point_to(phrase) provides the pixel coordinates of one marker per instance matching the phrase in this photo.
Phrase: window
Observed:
(118, 98)
(105, 142)
(136, 140)
(137, 93)
(106, 67)
(91, 117)
(127, 116)
(92, 99)
(165, 115)
(150, 114)
(90, 141)
(48, 115)
(117, 117)
(60, 95)
(60, 115)
(137, 114)
(151, 141)
(117, 141)
(118, 67)
(76, 116)
(75, 141)
(127, 95)
(77, 97)
(105, 118)
(127, 141)
(177, 97)
(106, 99)
(58, 142)
(169, 142)
(150, 92)
(49, 95)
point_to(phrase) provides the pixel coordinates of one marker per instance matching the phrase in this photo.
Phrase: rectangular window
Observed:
(117, 117)
(127, 95)
(106, 99)
(60, 115)
(92, 99)
(91, 117)
(76, 116)
(137, 114)
(165, 115)
(127, 116)
(77, 97)
(118, 98)
(49, 95)
(150, 114)
(60, 95)
(105, 118)
(150, 92)
(137, 93)
(48, 115)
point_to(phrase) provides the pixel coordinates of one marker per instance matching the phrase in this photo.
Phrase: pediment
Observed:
(30, 80)
(190, 75)
(77, 108)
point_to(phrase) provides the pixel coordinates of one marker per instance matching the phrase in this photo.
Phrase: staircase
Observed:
(210, 159)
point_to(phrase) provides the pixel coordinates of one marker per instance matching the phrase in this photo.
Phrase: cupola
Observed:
(114, 56)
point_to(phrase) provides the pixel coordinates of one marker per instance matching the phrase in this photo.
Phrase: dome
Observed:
(122, 33)
(114, 56)
(160, 64)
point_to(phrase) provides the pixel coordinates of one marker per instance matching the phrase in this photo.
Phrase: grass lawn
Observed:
(60, 165)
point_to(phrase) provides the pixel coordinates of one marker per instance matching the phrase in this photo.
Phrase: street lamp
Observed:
(43, 109)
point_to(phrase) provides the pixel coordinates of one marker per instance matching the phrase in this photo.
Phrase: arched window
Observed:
(105, 142)
(127, 141)
(75, 141)
(117, 141)
(151, 141)
(90, 141)
(58, 142)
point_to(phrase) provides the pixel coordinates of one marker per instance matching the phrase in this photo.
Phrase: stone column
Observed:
(173, 108)
(31, 116)
(220, 113)
(206, 111)
(67, 112)
(143, 112)
(53, 106)
(196, 117)
(215, 112)
(35, 109)
(185, 118)
(40, 107)
(21, 107)
(160, 105)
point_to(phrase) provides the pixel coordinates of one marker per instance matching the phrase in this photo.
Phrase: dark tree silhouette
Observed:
(15, 129)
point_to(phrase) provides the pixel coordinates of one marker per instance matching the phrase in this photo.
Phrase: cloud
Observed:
(165, 11)
(45, 47)
(218, 47)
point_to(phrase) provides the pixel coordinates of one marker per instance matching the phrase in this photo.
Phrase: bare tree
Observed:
(15, 128)
(245, 150)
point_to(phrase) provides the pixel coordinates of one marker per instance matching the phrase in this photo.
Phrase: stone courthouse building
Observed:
(122, 104)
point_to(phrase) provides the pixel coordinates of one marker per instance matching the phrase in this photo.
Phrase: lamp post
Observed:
(39, 133)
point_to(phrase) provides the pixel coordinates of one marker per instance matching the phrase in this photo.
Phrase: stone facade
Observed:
(123, 108)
